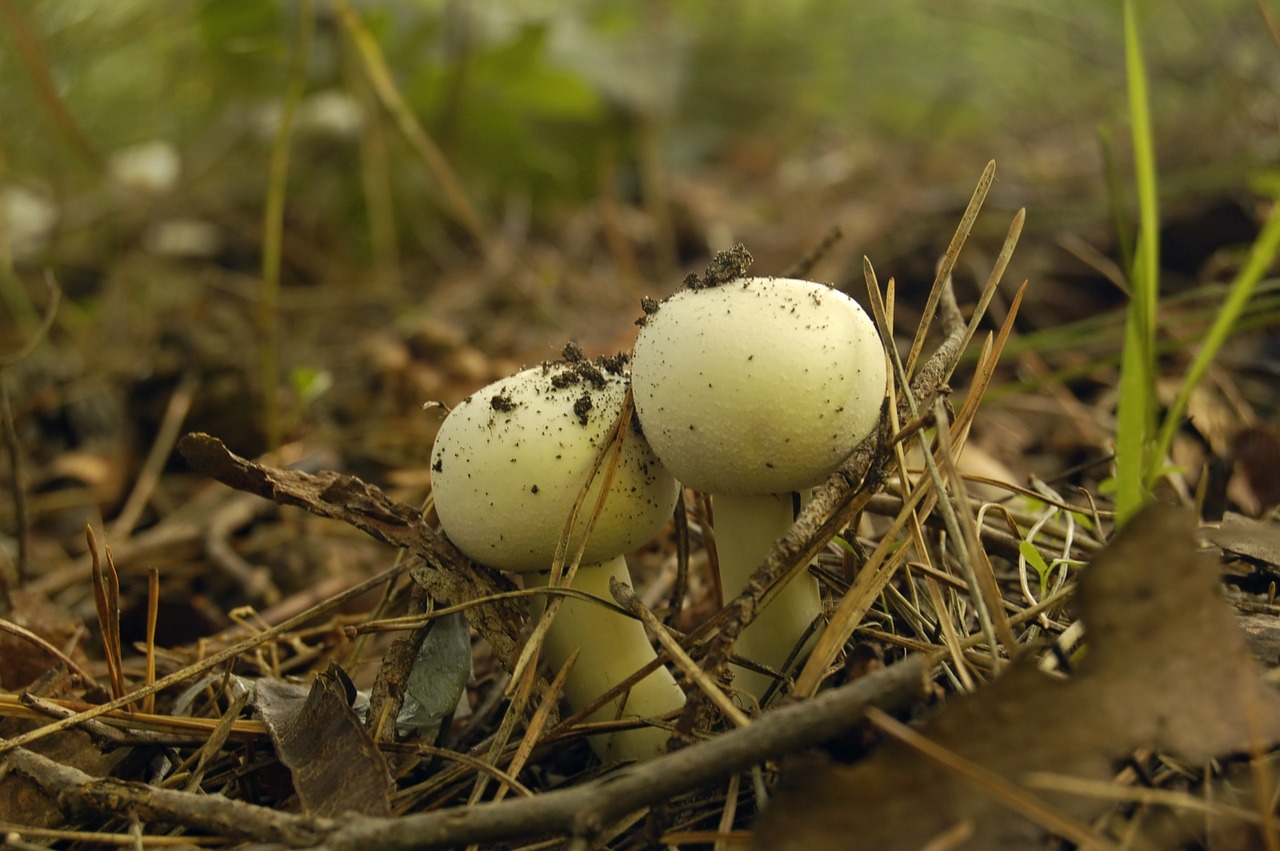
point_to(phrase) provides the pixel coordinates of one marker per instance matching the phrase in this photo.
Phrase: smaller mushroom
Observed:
(507, 467)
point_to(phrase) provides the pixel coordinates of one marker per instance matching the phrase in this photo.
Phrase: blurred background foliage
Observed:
(525, 98)
(609, 147)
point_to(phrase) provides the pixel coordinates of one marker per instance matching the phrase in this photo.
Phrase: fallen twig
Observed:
(215, 814)
(452, 577)
(582, 811)
(585, 811)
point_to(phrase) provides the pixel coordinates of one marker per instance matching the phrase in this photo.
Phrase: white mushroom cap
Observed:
(509, 461)
(758, 385)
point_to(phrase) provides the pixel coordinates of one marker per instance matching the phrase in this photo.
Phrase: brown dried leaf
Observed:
(22, 800)
(21, 662)
(1167, 667)
(1249, 539)
(336, 767)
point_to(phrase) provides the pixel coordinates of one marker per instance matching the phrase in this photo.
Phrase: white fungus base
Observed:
(745, 529)
(612, 647)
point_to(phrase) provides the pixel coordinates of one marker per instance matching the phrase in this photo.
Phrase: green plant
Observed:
(1141, 445)
(1135, 415)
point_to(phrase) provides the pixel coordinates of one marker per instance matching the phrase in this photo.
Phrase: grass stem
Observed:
(1135, 425)
(273, 229)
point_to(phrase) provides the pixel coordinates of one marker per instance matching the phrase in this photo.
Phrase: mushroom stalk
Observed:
(746, 527)
(612, 646)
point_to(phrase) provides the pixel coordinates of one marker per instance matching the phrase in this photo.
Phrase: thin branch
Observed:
(161, 449)
(273, 227)
(27, 635)
(12, 443)
(802, 267)
(585, 811)
(18, 479)
(450, 576)
(214, 814)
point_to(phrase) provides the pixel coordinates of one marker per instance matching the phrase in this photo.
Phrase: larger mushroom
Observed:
(752, 390)
(507, 467)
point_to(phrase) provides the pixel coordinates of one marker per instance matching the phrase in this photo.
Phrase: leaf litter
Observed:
(1166, 668)
(336, 766)
(248, 807)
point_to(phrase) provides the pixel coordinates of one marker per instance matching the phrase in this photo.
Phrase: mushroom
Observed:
(508, 465)
(752, 390)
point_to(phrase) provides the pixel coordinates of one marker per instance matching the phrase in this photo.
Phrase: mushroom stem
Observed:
(746, 527)
(612, 647)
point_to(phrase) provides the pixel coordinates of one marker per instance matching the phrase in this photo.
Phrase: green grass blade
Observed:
(1135, 421)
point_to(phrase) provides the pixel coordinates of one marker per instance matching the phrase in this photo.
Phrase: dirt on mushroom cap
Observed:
(506, 477)
(760, 385)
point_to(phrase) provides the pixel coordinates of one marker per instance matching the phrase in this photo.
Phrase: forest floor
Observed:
(226, 626)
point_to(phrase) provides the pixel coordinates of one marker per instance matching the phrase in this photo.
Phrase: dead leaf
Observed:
(1167, 667)
(1249, 539)
(21, 662)
(22, 800)
(336, 767)
(437, 680)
